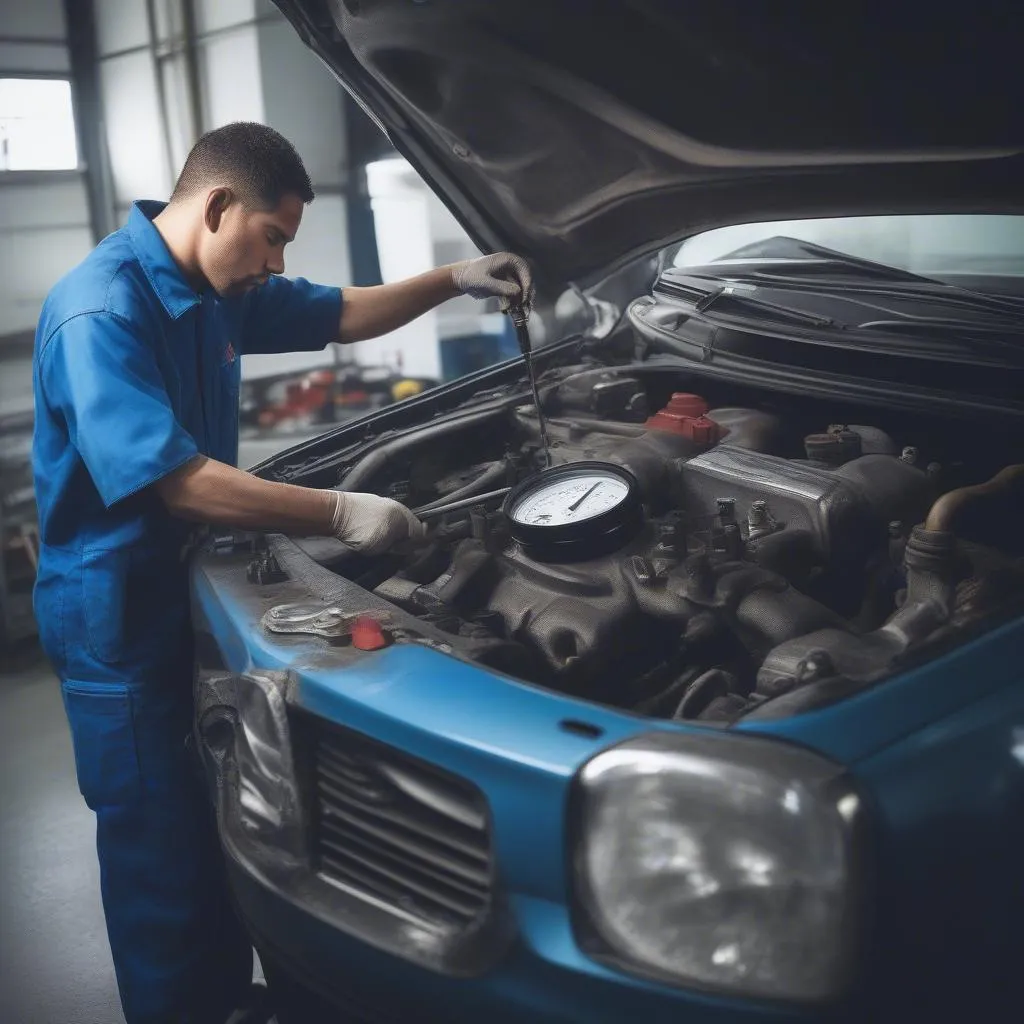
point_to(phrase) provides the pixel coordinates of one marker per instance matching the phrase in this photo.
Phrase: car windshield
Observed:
(981, 251)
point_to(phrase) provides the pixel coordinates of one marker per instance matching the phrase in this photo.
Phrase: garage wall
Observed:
(167, 70)
(44, 217)
(160, 92)
(304, 102)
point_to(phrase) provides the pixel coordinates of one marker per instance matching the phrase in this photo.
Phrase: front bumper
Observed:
(539, 978)
(523, 963)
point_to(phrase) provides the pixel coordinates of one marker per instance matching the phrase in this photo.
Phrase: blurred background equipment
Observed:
(19, 531)
(316, 398)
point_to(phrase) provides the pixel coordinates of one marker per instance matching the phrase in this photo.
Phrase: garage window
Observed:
(37, 125)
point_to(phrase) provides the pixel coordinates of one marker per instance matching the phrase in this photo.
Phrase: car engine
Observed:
(744, 560)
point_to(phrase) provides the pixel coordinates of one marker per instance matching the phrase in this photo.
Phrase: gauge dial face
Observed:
(570, 498)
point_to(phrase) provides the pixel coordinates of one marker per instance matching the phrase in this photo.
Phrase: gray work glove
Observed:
(370, 524)
(503, 276)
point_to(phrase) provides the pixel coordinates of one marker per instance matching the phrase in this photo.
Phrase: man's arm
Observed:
(370, 312)
(100, 373)
(212, 492)
(292, 314)
(208, 491)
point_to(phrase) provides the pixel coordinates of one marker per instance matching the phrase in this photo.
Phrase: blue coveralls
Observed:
(134, 374)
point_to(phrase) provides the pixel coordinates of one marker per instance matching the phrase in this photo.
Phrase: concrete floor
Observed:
(55, 965)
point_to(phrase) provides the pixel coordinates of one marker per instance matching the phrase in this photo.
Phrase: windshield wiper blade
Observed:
(727, 295)
(783, 262)
(941, 337)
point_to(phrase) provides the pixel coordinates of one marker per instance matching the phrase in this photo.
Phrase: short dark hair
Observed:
(257, 163)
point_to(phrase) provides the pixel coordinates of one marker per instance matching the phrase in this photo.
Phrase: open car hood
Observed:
(581, 134)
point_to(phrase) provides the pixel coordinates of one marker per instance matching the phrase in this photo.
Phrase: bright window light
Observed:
(37, 126)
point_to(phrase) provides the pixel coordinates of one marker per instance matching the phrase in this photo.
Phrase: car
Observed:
(706, 702)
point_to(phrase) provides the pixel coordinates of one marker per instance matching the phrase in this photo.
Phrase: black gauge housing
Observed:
(589, 538)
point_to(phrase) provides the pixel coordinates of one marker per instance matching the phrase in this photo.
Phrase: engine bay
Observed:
(696, 554)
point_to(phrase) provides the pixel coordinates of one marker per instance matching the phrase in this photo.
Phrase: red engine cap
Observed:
(367, 634)
(684, 415)
(683, 403)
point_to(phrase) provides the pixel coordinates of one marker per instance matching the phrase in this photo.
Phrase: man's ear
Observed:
(217, 202)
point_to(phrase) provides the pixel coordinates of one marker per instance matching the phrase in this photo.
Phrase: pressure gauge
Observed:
(579, 510)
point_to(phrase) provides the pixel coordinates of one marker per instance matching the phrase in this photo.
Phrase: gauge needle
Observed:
(576, 504)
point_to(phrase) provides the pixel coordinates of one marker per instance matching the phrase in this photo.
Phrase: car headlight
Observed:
(720, 862)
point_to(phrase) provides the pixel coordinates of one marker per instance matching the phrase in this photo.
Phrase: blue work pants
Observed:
(180, 954)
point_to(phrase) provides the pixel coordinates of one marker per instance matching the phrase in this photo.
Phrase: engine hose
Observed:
(371, 464)
(944, 510)
(633, 430)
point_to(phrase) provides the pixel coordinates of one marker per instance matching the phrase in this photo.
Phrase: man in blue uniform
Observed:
(136, 377)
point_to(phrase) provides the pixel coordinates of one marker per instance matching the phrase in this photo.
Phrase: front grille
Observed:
(398, 830)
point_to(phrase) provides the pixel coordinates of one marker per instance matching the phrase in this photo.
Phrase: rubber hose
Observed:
(380, 457)
(945, 509)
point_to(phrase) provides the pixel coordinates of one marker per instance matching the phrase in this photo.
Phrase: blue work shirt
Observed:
(135, 373)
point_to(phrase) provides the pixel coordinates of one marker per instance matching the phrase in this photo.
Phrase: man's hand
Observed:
(206, 491)
(503, 276)
(370, 524)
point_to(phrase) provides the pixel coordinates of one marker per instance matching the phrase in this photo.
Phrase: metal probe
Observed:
(434, 511)
(519, 317)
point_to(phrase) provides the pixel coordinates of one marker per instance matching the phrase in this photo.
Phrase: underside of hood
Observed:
(582, 134)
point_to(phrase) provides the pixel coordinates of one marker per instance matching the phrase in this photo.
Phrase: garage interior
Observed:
(857, 642)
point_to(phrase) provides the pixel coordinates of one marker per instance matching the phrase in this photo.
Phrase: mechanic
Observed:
(136, 377)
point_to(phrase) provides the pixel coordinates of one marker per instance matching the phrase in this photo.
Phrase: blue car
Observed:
(702, 699)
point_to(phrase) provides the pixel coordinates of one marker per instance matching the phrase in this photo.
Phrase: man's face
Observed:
(243, 246)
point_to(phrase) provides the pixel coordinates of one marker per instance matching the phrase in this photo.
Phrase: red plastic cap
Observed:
(367, 634)
(684, 415)
(683, 403)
